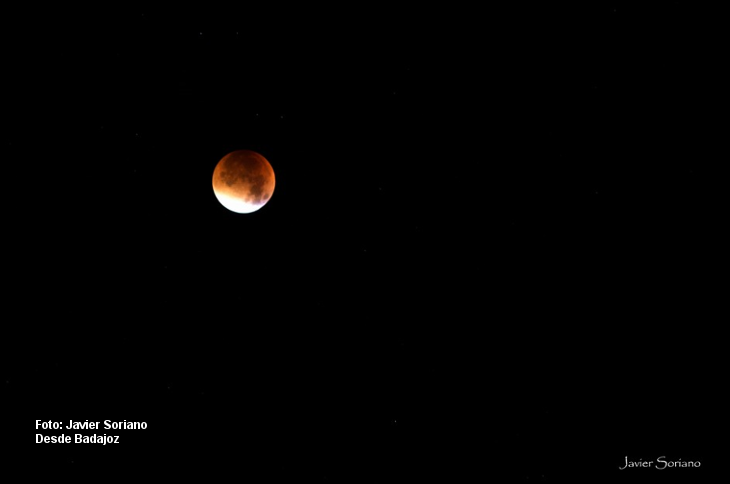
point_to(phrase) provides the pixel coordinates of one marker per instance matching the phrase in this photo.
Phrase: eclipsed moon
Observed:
(243, 181)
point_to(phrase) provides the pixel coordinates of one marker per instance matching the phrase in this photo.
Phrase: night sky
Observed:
(492, 250)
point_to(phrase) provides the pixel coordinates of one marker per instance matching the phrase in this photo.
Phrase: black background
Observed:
(492, 251)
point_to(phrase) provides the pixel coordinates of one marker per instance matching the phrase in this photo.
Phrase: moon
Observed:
(243, 181)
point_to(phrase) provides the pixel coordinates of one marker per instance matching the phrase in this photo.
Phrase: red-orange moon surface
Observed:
(243, 181)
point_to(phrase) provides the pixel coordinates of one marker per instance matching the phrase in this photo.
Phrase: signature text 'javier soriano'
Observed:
(102, 439)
